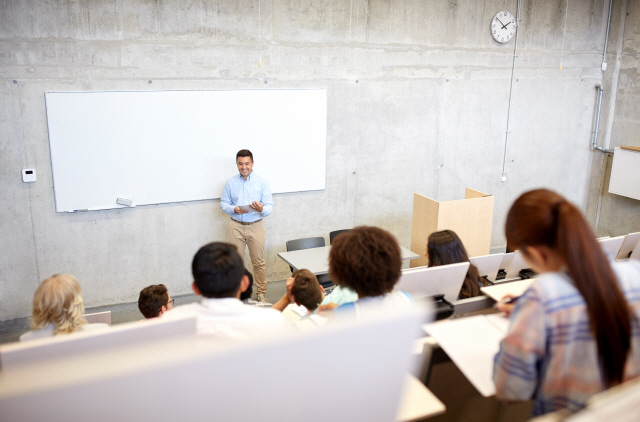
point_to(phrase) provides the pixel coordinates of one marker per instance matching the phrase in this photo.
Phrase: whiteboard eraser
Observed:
(124, 201)
(28, 175)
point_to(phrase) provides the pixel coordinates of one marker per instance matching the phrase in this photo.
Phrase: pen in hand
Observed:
(506, 304)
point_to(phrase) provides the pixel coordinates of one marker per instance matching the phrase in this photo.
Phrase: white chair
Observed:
(433, 281)
(16, 355)
(488, 265)
(98, 317)
(629, 245)
(204, 380)
(517, 264)
(611, 246)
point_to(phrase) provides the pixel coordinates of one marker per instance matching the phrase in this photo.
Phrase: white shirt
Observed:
(48, 331)
(230, 318)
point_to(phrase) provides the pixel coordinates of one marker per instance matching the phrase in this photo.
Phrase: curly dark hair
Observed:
(365, 259)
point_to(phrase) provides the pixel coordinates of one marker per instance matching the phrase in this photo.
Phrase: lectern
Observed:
(471, 218)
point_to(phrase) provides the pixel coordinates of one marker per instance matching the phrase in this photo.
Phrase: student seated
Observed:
(338, 296)
(576, 330)
(444, 248)
(154, 301)
(58, 309)
(306, 290)
(368, 261)
(245, 296)
(218, 273)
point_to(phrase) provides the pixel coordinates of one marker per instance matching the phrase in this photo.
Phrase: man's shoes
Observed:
(262, 299)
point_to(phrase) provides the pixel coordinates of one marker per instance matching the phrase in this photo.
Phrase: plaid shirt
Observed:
(550, 354)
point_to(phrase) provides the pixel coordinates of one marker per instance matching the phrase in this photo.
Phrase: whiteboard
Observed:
(625, 177)
(156, 147)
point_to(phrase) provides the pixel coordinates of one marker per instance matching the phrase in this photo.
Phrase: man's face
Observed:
(169, 303)
(245, 166)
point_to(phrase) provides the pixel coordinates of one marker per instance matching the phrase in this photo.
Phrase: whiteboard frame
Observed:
(272, 124)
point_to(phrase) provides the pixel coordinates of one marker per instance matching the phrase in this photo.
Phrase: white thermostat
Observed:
(28, 175)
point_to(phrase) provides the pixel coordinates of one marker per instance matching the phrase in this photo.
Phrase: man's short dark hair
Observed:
(152, 299)
(247, 293)
(217, 270)
(306, 289)
(244, 153)
(366, 259)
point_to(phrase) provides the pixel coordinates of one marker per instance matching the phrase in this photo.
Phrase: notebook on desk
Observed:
(499, 291)
(484, 332)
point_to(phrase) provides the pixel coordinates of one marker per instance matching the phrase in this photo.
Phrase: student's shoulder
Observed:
(182, 310)
(263, 312)
(550, 285)
(628, 275)
(96, 326)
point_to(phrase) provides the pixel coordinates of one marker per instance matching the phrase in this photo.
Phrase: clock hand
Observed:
(500, 22)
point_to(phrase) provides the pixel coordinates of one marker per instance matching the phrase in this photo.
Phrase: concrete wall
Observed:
(418, 100)
(615, 215)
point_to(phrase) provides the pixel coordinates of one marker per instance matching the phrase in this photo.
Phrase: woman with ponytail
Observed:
(576, 330)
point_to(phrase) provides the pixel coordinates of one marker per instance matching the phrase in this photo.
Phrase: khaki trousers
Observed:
(252, 235)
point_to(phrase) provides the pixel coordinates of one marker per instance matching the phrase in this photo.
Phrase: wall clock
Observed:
(503, 27)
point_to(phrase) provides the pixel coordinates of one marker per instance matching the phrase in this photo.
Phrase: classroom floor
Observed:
(11, 330)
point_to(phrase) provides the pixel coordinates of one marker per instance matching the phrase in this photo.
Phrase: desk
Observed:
(316, 260)
(417, 402)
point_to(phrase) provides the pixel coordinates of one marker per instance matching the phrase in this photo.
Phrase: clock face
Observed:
(503, 27)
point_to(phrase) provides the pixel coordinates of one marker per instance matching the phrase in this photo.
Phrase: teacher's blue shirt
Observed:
(237, 191)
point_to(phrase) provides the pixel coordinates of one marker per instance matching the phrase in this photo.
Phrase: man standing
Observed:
(246, 227)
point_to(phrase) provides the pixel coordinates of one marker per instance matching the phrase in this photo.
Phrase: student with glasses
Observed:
(154, 301)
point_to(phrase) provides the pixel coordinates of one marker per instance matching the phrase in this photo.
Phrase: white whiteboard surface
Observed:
(157, 147)
(625, 173)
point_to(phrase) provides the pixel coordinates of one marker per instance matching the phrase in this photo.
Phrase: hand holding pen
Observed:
(506, 304)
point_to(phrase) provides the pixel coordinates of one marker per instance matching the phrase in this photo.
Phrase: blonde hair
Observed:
(58, 300)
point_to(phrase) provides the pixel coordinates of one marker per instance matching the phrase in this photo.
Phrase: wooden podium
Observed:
(471, 218)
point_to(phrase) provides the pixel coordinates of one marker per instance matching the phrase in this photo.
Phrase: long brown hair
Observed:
(544, 218)
(444, 248)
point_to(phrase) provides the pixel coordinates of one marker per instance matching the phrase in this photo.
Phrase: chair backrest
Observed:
(431, 281)
(636, 252)
(306, 243)
(611, 246)
(334, 233)
(488, 265)
(205, 380)
(517, 264)
(16, 355)
(104, 317)
(629, 245)
(506, 260)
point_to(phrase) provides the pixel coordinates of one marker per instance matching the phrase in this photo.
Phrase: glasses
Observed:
(170, 302)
